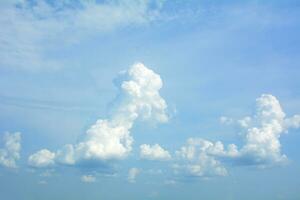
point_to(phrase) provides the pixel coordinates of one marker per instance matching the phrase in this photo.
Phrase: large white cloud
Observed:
(262, 146)
(32, 28)
(10, 153)
(110, 139)
(154, 152)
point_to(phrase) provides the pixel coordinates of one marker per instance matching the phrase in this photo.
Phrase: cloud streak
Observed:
(32, 29)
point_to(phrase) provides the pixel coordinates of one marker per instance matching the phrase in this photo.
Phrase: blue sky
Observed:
(149, 99)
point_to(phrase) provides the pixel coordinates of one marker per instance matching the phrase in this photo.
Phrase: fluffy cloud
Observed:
(154, 152)
(10, 153)
(42, 158)
(32, 28)
(132, 174)
(88, 179)
(199, 160)
(110, 139)
(262, 145)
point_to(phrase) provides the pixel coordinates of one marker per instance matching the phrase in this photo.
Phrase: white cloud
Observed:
(42, 158)
(30, 29)
(110, 139)
(154, 152)
(226, 120)
(88, 179)
(262, 139)
(293, 122)
(262, 146)
(132, 174)
(10, 153)
(198, 158)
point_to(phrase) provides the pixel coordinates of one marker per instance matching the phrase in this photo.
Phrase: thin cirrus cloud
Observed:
(262, 146)
(33, 28)
(110, 139)
(10, 153)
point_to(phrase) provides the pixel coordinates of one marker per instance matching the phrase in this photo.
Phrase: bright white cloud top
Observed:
(262, 146)
(110, 139)
(154, 152)
(10, 153)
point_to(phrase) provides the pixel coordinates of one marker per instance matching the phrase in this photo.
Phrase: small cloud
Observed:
(10, 153)
(154, 152)
(132, 174)
(88, 178)
(226, 120)
(42, 158)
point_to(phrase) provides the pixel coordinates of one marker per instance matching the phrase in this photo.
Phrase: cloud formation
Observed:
(132, 174)
(43, 158)
(10, 153)
(154, 152)
(33, 28)
(110, 139)
(88, 179)
(262, 146)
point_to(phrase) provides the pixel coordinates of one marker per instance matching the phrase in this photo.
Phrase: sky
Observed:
(149, 99)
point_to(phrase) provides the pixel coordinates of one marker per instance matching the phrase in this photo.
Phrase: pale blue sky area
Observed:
(59, 64)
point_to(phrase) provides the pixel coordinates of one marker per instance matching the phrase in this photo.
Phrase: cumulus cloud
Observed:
(110, 139)
(42, 158)
(30, 29)
(132, 174)
(154, 152)
(88, 179)
(199, 160)
(10, 153)
(262, 146)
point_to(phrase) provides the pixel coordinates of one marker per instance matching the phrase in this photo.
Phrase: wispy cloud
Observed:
(31, 30)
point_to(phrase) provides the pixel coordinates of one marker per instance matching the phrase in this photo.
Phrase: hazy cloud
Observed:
(10, 153)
